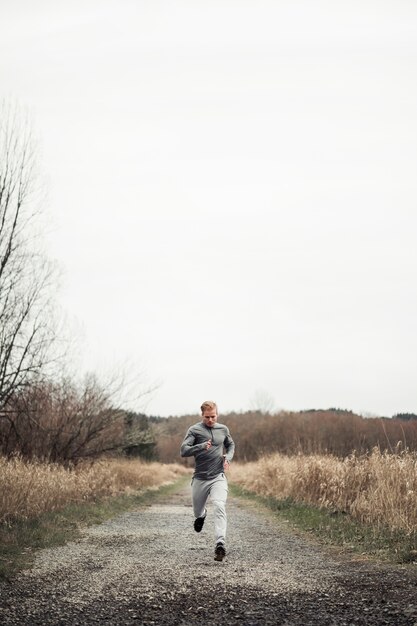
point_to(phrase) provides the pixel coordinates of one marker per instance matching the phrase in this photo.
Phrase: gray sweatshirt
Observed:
(208, 463)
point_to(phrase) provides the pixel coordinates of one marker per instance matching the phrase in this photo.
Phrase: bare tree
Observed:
(69, 420)
(262, 401)
(25, 273)
(42, 413)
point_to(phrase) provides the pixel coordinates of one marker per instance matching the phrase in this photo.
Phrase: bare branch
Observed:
(25, 274)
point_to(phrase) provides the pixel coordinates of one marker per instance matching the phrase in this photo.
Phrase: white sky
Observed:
(233, 192)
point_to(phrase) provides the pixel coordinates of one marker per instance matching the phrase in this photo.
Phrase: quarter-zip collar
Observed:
(210, 428)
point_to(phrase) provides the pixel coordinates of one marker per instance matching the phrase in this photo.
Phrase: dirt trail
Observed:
(150, 567)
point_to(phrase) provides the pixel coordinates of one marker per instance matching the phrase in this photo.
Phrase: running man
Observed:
(207, 441)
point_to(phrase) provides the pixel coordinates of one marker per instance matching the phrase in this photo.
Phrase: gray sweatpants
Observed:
(217, 489)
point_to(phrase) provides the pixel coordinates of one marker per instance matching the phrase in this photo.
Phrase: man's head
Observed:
(209, 413)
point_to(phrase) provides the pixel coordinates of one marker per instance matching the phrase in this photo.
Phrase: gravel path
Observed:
(150, 567)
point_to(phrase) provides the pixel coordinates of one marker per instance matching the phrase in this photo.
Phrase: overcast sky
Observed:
(232, 192)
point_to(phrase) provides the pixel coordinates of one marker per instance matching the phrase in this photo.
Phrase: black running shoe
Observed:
(199, 523)
(219, 552)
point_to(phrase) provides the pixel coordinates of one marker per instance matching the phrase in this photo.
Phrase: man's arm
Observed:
(189, 447)
(229, 444)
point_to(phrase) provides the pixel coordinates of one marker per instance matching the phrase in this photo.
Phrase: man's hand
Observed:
(209, 444)
(226, 464)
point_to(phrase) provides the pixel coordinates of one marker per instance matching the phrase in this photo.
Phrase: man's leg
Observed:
(200, 492)
(218, 494)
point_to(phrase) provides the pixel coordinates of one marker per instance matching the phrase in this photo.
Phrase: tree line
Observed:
(331, 431)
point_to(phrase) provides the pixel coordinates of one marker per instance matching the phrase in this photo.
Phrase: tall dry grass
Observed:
(378, 489)
(28, 489)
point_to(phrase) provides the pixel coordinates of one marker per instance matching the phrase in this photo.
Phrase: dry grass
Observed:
(29, 489)
(378, 489)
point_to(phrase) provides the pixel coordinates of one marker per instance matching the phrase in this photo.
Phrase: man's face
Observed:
(210, 417)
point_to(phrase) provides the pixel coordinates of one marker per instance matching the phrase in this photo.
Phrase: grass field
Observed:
(30, 489)
(44, 505)
(366, 503)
